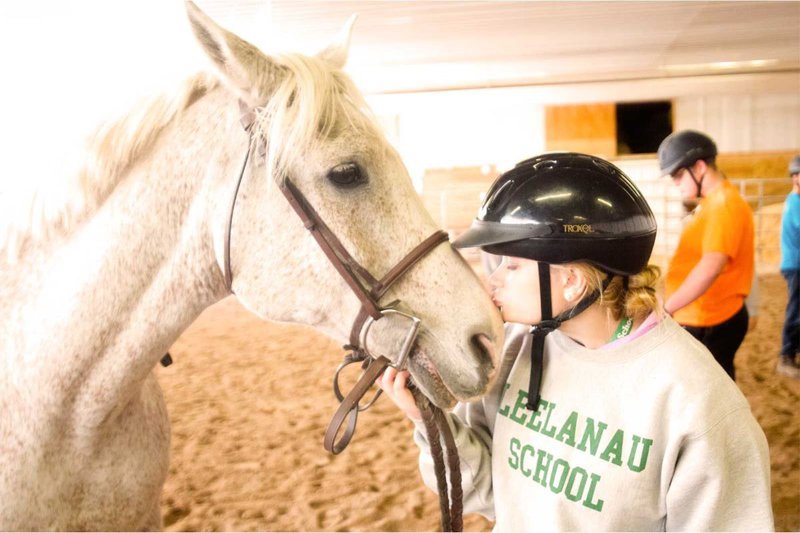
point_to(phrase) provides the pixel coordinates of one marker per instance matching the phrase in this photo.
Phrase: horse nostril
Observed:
(484, 350)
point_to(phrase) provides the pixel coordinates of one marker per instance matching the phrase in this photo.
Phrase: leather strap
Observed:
(337, 254)
(345, 263)
(451, 504)
(454, 468)
(437, 429)
(384, 284)
(539, 333)
(229, 224)
(349, 407)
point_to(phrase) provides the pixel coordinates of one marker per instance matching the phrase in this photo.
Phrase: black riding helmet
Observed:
(566, 207)
(683, 148)
(563, 208)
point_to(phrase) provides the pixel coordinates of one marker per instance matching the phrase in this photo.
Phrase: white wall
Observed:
(744, 122)
(499, 126)
(464, 131)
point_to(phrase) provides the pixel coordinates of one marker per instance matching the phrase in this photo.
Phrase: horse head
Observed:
(310, 126)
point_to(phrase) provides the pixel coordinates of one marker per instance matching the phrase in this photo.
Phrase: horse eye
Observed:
(346, 175)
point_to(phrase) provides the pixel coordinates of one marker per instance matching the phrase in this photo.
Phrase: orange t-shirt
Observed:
(723, 222)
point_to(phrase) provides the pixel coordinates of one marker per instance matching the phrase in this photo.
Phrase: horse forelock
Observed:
(310, 103)
(54, 208)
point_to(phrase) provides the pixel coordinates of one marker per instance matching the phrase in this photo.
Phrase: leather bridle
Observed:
(369, 290)
(364, 285)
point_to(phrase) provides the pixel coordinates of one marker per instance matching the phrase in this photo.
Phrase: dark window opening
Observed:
(642, 126)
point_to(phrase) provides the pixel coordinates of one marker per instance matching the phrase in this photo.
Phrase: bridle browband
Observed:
(369, 290)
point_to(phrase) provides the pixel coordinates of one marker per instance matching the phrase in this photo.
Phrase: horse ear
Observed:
(336, 52)
(243, 66)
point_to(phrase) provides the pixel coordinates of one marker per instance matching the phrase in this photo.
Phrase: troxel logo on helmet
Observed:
(578, 228)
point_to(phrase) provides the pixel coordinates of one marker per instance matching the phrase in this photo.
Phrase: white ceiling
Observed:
(400, 46)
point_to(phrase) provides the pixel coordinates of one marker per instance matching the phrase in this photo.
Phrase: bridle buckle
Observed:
(408, 341)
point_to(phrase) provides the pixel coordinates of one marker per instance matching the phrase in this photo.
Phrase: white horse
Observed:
(93, 293)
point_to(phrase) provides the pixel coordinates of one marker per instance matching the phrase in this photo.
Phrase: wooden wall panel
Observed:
(759, 165)
(589, 128)
(453, 195)
(755, 164)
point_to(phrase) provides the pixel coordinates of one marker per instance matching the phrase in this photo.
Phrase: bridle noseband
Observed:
(369, 290)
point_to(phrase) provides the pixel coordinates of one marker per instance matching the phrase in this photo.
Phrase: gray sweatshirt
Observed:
(650, 435)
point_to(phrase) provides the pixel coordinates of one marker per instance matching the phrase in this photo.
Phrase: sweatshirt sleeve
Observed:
(721, 479)
(474, 443)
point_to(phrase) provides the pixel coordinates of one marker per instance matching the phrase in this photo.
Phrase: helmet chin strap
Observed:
(699, 183)
(549, 323)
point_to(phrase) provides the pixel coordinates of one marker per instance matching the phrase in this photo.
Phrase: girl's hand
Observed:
(395, 386)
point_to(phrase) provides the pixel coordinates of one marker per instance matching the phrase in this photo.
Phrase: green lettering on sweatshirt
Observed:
(514, 446)
(558, 476)
(549, 431)
(567, 432)
(592, 436)
(588, 436)
(503, 411)
(519, 414)
(576, 484)
(555, 474)
(646, 443)
(613, 451)
(596, 505)
(535, 421)
(542, 466)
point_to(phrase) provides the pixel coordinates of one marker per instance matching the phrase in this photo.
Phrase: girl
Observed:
(606, 414)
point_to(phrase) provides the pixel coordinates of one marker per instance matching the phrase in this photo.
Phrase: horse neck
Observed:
(120, 288)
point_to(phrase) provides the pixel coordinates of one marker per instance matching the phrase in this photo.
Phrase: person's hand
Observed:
(395, 386)
(752, 323)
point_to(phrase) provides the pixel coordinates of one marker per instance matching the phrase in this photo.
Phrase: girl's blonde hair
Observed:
(636, 302)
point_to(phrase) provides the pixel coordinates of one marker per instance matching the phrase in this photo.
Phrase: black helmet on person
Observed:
(563, 208)
(682, 149)
(794, 165)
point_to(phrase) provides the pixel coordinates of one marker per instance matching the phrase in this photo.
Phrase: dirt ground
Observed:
(249, 403)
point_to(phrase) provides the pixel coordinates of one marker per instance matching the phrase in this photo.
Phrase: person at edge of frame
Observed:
(605, 414)
(710, 274)
(788, 364)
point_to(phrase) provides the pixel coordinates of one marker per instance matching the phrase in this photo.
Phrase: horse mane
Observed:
(54, 208)
(310, 102)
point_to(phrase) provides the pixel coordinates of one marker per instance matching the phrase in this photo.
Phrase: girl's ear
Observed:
(573, 282)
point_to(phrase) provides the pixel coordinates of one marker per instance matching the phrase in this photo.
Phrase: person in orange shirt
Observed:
(711, 273)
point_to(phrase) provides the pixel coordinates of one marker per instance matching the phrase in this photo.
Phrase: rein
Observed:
(451, 506)
(369, 290)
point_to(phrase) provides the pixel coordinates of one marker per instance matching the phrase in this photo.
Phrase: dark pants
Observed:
(723, 339)
(791, 324)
